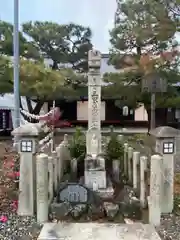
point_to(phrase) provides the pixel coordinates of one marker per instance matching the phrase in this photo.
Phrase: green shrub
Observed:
(177, 178)
(77, 145)
(114, 149)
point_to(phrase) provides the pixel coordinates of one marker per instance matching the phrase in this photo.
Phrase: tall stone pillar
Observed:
(94, 166)
(94, 94)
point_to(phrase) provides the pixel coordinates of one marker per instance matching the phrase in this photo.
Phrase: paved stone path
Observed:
(98, 231)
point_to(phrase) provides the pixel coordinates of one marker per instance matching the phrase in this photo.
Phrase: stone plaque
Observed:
(98, 177)
(73, 193)
(94, 106)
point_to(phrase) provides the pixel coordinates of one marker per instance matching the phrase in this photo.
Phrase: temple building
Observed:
(75, 109)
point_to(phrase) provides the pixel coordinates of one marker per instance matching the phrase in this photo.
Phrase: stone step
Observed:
(97, 231)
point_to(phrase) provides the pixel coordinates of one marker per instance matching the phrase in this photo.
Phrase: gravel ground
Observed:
(170, 227)
(26, 228)
(12, 226)
(19, 228)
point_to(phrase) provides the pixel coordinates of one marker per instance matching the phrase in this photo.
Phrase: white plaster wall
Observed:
(141, 114)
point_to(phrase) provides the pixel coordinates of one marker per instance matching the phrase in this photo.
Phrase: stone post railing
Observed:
(166, 146)
(161, 171)
(40, 173)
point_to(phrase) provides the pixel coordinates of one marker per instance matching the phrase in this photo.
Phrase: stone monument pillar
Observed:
(28, 136)
(94, 167)
(165, 145)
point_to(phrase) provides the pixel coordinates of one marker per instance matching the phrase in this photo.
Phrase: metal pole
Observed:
(16, 64)
(153, 109)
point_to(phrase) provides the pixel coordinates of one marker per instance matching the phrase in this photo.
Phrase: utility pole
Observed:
(16, 64)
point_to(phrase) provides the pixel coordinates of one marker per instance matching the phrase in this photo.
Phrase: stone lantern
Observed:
(125, 111)
(28, 141)
(165, 138)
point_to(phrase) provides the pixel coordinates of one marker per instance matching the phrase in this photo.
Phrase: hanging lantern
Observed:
(131, 112)
(125, 111)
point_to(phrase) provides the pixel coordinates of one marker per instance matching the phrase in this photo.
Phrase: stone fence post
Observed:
(27, 148)
(74, 163)
(130, 156)
(42, 187)
(55, 171)
(61, 164)
(63, 155)
(50, 179)
(126, 159)
(116, 169)
(143, 167)
(66, 152)
(136, 159)
(155, 199)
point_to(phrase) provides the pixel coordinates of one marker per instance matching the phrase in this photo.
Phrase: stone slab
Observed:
(105, 192)
(98, 177)
(97, 231)
(74, 193)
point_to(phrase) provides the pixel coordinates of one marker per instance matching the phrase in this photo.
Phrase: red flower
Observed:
(10, 174)
(17, 174)
(3, 218)
(9, 164)
(13, 174)
(62, 124)
(15, 204)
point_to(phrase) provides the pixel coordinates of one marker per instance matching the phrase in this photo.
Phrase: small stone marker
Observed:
(73, 193)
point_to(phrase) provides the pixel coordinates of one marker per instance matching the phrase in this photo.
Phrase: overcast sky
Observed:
(97, 14)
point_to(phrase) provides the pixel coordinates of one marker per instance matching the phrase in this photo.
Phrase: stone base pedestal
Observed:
(105, 193)
(105, 189)
(95, 176)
